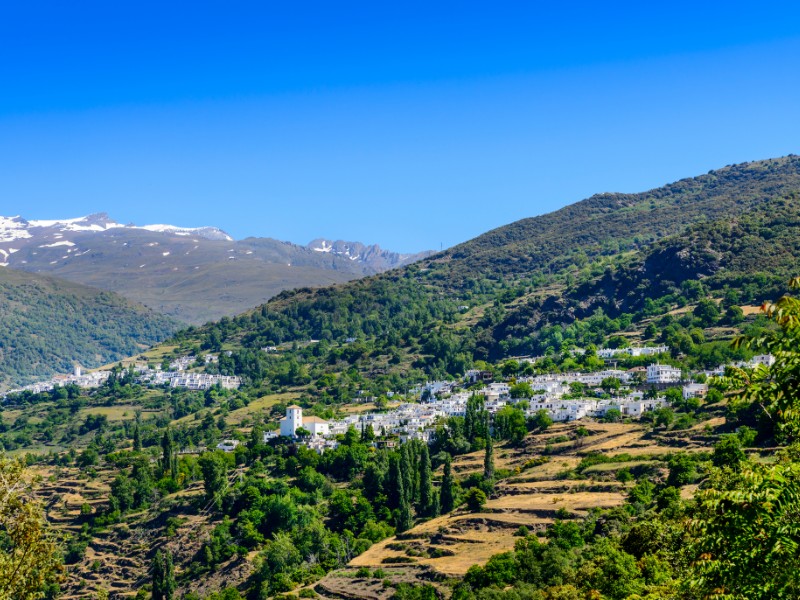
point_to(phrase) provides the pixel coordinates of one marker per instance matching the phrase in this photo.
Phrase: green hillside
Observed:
(605, 266)
(506, 505)
(49, 324)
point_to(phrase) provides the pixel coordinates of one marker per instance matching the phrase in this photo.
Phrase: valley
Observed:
(537, 413)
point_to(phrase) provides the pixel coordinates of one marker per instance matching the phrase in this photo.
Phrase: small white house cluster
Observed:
(632, 351)
(144, 375)
(84, 380)
(192, 381)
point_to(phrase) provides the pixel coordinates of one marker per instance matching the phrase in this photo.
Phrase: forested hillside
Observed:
(607, 266)
(49, 324)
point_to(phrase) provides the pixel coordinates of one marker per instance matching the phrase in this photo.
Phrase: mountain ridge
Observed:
(518, 289)
(191, 274)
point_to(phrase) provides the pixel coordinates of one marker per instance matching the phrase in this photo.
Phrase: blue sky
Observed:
(412, 125)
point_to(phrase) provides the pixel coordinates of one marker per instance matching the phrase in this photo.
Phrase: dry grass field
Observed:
(541, 488)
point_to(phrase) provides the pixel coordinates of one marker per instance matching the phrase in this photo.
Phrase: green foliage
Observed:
(475, 499)
(50, 324)
(510, 424)
(747, 529)
(164, 584)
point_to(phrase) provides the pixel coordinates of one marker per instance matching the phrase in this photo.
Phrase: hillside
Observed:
(191, 274)
(607, 224)
(512, 292)
(499, 501)
(50, 324)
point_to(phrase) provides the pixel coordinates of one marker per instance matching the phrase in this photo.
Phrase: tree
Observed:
(747, 532)
(137, 438)
(426, 499)
(728, 452)
(522, 389)
(393, 483)
(746, 525)
(475, 420)
(540, 421)
(476, 499)
(610, 384)
(488, 461)
(367, 434)
(169, 455)
(509, 424)
(775, 389)
(448, 494)
(404, 520)
(163, 576)
(707, 312)
(30, 559)
(214, 466)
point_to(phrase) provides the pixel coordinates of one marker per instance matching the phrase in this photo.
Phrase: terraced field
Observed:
(543, 486)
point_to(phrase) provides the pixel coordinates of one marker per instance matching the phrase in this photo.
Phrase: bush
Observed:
(475, 499)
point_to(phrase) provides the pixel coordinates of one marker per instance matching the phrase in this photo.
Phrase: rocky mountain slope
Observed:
(191, 274)
(372, 255)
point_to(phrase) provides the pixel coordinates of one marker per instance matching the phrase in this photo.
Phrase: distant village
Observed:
(551, 393)
(177, 376)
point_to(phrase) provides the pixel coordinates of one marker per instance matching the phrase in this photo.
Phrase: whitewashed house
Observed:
(228, 445)
(657, 373)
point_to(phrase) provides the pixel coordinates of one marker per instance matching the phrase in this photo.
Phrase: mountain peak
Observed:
(372, 255)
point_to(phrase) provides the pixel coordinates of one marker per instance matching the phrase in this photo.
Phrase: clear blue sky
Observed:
(410, 124)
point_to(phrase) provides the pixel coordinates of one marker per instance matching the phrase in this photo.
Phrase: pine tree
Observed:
(425, 483)
(447, 495)
(163, 576)
(137, 439)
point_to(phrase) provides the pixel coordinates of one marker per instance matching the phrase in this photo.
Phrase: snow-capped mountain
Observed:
(371, 255)
(17, 228)
(193, 274)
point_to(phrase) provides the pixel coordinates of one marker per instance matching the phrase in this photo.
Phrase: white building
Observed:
(317, 426)
(294, 420)
(228, 445)
(695, 390)
(657, 373)
(632, 351)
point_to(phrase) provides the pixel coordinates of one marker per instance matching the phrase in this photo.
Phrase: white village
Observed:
(551, 393)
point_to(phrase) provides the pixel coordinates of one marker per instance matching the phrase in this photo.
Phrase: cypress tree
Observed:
(137, 439)
(406, 471)
(447, 496)
(393, 484)
(425, 483)
(404, 520)
(163, 576)
(169, 458)
(488, 461)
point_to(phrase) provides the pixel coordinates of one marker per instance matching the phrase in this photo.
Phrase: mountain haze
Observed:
(190, 274)
(372, 255)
